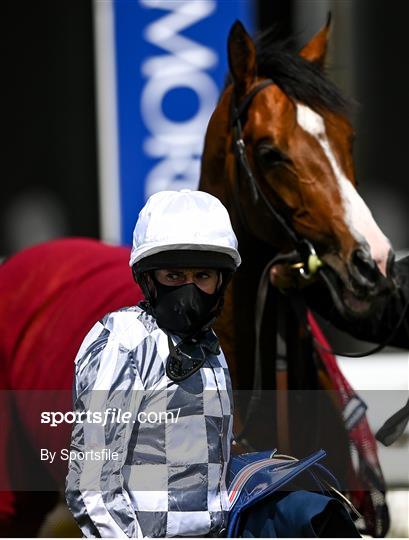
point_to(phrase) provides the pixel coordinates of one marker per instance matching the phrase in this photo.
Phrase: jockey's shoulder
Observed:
(129, 325)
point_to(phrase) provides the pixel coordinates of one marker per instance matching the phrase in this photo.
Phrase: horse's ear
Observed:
(242, 57)
(316, 49)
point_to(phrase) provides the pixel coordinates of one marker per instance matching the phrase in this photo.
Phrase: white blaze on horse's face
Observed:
(357, 215)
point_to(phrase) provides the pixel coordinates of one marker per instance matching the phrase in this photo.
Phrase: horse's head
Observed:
(298, 142)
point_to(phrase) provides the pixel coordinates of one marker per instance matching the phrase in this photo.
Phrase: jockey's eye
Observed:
(202, 275)
(175, 277)
(268, 156)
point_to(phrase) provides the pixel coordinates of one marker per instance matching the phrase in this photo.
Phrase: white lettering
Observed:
(178, 144)
(47, 455)
(57, 418)
(164, 33)
(45, 417)
(156, 89)
(70, 417)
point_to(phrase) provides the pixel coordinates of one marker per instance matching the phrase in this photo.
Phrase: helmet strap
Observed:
(141, 280)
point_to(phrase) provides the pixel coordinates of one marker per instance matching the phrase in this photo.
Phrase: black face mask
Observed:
(183, 309)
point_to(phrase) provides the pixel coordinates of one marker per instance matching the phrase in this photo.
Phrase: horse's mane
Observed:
(301, 80)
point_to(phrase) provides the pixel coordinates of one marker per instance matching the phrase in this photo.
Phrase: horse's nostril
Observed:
(365, 265)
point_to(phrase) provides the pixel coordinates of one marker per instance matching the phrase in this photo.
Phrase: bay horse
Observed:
(278, 154)
(297, 141)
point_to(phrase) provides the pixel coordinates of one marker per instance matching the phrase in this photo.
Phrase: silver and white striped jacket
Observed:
(168, 475)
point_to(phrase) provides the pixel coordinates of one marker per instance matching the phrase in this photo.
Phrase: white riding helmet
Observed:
(192, 222)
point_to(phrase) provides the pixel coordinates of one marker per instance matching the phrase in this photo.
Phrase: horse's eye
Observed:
(269, 156)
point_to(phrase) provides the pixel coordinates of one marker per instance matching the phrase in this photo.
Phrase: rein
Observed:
(304, 257)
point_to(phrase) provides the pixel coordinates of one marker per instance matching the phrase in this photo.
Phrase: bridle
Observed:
(304, 255)
(303, 258)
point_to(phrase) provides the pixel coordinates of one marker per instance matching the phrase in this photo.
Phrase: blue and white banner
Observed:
(168, 66)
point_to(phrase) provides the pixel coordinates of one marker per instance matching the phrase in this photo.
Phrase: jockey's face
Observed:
(207, 279)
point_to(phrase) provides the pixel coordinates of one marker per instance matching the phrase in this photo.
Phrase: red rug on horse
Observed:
(51, 296)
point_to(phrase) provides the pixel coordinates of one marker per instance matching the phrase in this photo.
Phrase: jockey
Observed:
(156, 375)
(161, 357)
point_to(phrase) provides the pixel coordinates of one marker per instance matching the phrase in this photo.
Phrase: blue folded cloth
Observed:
(297, 514)
(265, 502)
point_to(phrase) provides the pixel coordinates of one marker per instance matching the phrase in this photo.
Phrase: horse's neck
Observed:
(235, 326)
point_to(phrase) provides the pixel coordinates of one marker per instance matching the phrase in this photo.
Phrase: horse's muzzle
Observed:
(366, 278)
